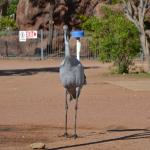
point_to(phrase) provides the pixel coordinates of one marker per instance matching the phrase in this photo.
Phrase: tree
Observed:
(135, 11)
(12, 7)
(115, 37)
(51, 25)
(3, 7)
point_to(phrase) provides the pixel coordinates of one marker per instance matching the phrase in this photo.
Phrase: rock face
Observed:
(41, 14)
(51, 15)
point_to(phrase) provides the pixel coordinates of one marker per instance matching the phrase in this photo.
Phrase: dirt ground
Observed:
(114, 114)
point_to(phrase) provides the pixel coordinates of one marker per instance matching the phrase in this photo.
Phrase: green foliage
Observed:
(116, 1)
(12, 7)
(114, 37)
(1, 1)
(7, 23)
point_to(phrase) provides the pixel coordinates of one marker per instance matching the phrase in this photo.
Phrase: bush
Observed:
(116, 1)
(7, 23)
(114, 37)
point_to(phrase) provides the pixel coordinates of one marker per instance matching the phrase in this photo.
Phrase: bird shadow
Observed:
(32, 71)
(144, 133)
(27, 72)
(92, 67)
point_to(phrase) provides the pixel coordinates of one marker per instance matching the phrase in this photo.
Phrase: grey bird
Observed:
(72, 78)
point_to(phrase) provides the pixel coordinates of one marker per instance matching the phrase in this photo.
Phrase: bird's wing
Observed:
(78, 72)
(67, 77)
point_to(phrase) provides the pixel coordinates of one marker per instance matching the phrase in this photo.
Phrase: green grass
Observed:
(140, 75)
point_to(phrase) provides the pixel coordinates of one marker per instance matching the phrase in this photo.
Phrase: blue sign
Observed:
(77, 34)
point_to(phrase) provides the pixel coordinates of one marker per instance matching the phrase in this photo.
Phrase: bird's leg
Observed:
(66, 115)
(76, 109)
(75, 124)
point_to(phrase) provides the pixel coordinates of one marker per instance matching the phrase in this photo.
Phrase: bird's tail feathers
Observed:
(73, 96)
(85, 81)
(73, 93)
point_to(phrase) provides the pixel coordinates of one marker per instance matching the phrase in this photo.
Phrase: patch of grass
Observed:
(132, 75)
(2, 33)
(116, 1)
(140, 75)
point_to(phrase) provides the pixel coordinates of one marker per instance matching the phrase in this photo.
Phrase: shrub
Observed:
(116, 1)
(7, 23)
(114, 37)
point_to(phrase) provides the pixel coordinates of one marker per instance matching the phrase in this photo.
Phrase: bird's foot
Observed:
(75, 136)
(66, 135)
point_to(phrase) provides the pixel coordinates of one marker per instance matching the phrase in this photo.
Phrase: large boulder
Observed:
(41, 14)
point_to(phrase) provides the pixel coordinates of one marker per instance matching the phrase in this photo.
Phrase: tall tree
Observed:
(3, 7)
(51, 25)
(135, 11)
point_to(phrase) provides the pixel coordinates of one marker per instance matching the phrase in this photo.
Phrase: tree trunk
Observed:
(144, 45)
(4, 7)
(136, 13)
(51, 27)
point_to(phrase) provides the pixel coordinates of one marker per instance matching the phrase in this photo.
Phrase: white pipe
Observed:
(78, 49)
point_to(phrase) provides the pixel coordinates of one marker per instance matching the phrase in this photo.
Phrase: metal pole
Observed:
(42, 56)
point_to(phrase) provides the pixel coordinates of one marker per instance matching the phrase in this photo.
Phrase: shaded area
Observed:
(126, 130)
(32, 71)
(25, 72)
(145, 134)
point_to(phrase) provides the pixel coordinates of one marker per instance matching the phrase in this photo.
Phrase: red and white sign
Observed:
(24, 35)
(31, 34)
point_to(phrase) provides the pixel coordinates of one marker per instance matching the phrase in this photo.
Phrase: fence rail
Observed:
(49, 44)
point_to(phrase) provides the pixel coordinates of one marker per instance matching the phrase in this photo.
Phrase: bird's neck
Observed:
(67, 50)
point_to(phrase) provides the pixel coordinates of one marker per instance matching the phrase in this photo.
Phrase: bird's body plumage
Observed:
(72, 75)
